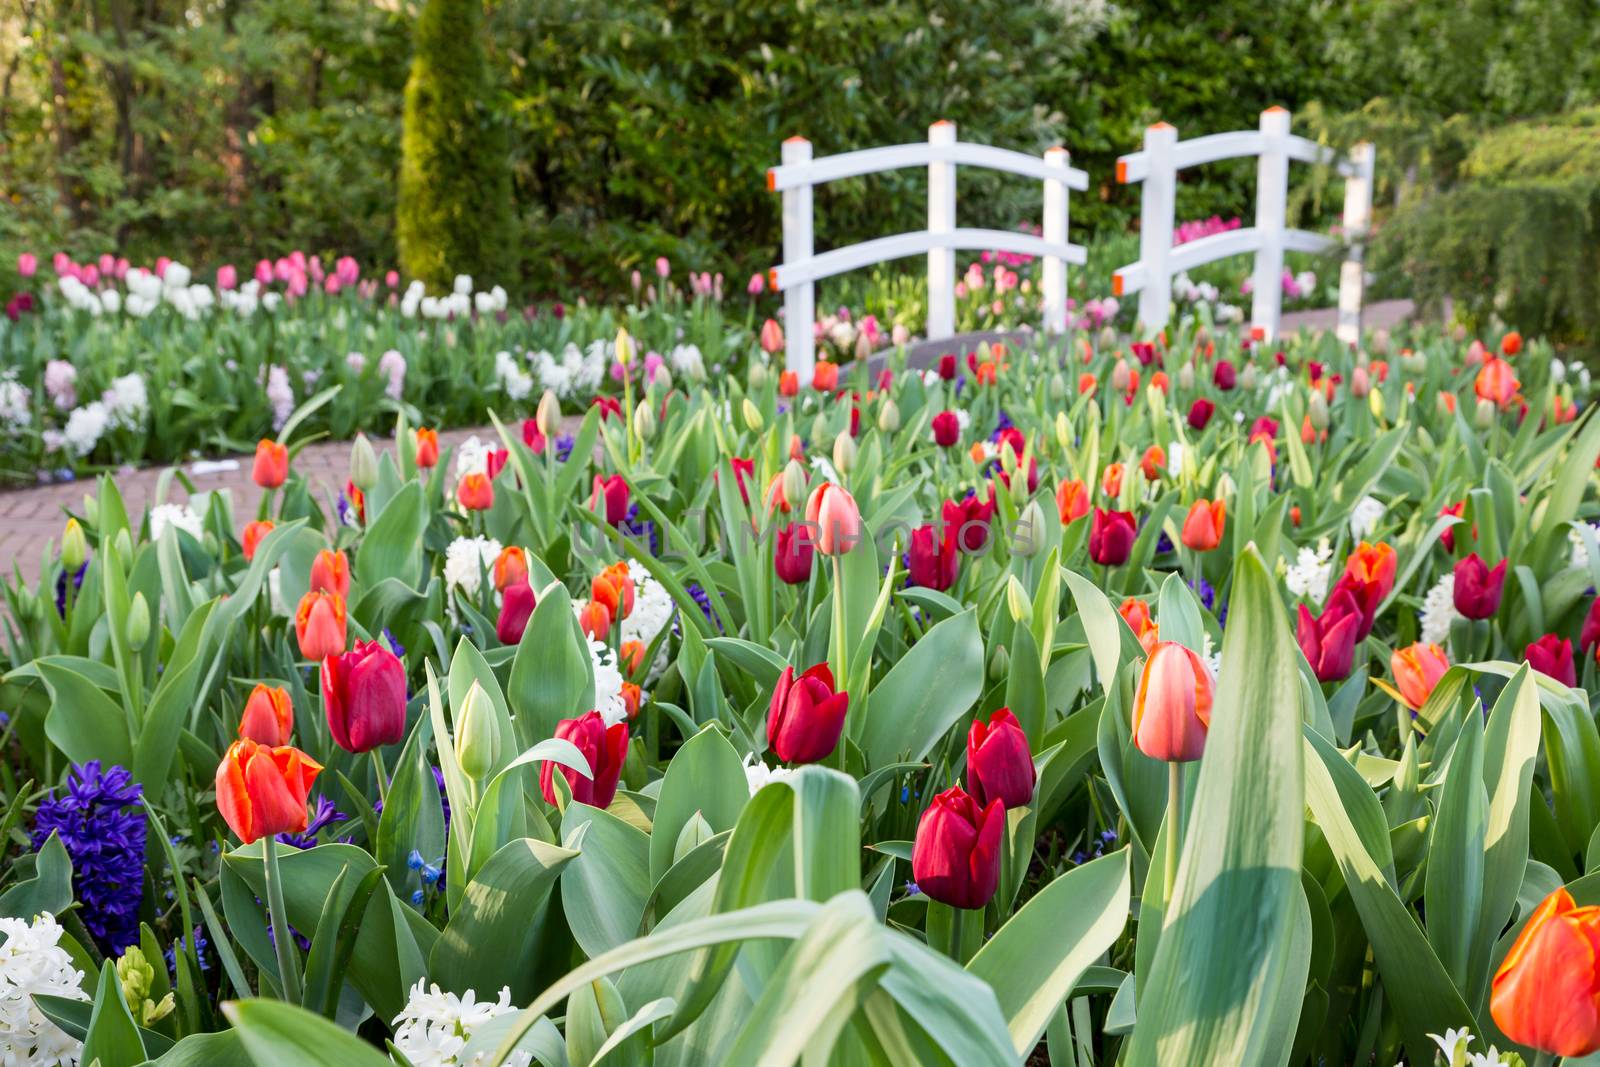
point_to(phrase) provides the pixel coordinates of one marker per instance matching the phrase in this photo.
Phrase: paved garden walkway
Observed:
(32, 516)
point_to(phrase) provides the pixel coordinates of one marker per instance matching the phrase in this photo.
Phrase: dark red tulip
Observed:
(931, 557)
(946, 429)
(792, 556)
(606, 749)
(1329, 640)
(516, 607)
(743, 471)
(1111, 535)
(969, 518)
(1478, 588)
(1552, 655)
(1448, 538)
(1589, 636)
(806, 715)
(947, 366)
(998, 761)
(1200, 413)
(956, 858)
(364, 694)
(610, 407)
(613, 490)
(1224, 376)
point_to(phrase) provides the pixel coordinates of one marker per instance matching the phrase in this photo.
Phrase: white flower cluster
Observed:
(1307, 577)
(246, 299)
(127, 402)
(33, 962)
(280, 394)
(146, 292)
(687, 362)
(1580, 550)
(392, 368)
(433, 1029)
(1188, 291)
(1439, 610)
(84, 428)
(607, 683)
(653, 609)
(514, 381)
(465, 562)
(15, 402)
(1560, 372)
(1457, 1048)
(1226, 313)
(457, 304)
(179, 516)
(576, 372)
(1364, 517)
(757, 774)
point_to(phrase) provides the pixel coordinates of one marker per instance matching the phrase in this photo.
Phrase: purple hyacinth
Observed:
(641, 529)
(322, 816)
(564, 443)
(1001, 425)
(99, 816)
(703, 598)
(61, 587)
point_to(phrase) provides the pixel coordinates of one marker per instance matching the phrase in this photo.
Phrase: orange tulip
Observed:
(1159, 380)
(1496, 382)
(319, 624)
(1370, 564)
(330, 573)
(272, 464)
(1086, 384)
(1154, 462)
(1136, 613)
(1172, 711)
(595, 620)
(987, 373)
(613, 587)
(788, 384)
(475, 492)
(510, 567)
(1111, 479)
(1511, 343)
(1072, 501)
(631, 697)
(630, 657)
(268, 717)
(1546, 994)
(254, 534)
(1417, 669)
(1202, 530)
(825, 376)
(262, 790)
(427, 448)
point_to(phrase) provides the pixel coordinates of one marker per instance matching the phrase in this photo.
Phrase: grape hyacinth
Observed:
(100, 821)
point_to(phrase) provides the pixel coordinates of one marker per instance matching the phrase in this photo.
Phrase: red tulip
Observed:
(947, 366)
(832, 512)
(1172, 710)
(262, 790)
(1546, 994)
(931, 557)
(319, 624)
(272, 464)
(330, 573)
(1448, 537)
(254, 534)
(970, 517)
(946, 429)
(364, 694)
(806, 715)
(1496, 382)
(1072, 501)
(606, 749)
(516, 607)
(1589, 635)
(956, 858)
(611, 491)
(1223, 376)
(268, 717)
(1417, 669)
(998, 761)
(1202, 529)
(1329, 640)
(475, 492)
(1200, 413)
(1552, 655)
(532, 437)
(793, 553)
(1477, 588)
(1111, 536)
(1511, 343)
(427, 448)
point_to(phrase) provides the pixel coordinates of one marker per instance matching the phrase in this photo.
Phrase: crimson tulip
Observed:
(947, 366)
(516, 607)
(1329, 641)
(606, 749)
(998, 761)
(1224, 375)
(1546, 994)
(1200, 413)
(1552, 655)
(946, 429)
(1589, 635)
(793, 553)
(956, 858)
(1111, 535)
(1478, 588)
(613, 492)
(364, 694)
(806, 715)
(969, 517)
(931, 557)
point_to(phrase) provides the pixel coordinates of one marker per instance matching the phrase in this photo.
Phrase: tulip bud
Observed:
(662, 383)
(363, 464)
(794, 483)
(695, 832)
(889, 416)
(819, 430)
(1375, 403)
(124, 543)
(1121, 376)
(1008, 458)
(1017, 600)
(138, 628)
(74, 546)
(477, 740)
(644, 420)
(1247, 379)
(1107, 338)
(844, 453)
(594, 1011)
(863, 346)
(1157, 401)
(625, 347)
(1063, 431)
(91, 509)
(1058, 386)
(1186, 377)
(548, 415)
(1030, 538)
(1360, 382)
(752, 415)
(757, 377)
(1317, 410)
(27, 606)
(1483, 415)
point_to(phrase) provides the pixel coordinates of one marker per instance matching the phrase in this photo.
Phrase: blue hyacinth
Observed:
(99, 817)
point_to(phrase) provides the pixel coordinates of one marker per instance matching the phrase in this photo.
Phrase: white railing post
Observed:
(1157, 206)
(800, 301)
(1055, 230)
(1357, 219)
(941, 220)
(1272, 202)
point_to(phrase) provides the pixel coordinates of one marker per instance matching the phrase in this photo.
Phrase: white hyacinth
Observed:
(33, 962)
(466, 560)
(1439, 610)
(607, 683)
(472, 457)
(85, 426)
(128, 401)
(687, 362)
(757, 774)
(1364, 517)
(1307, 577)
(280, 395)
(515, 382)
(392, 368)
(15, 401)
(180, 516)
(434, 1027)
(1579, 556)
(653, 609)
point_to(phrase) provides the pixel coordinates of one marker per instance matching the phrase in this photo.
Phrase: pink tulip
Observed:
(392, 279)
(108, 263)
(227, 277)
(61, 262)
(162, 263)
(663, 267)
(264, 271)
(27, 264)
(757, 285)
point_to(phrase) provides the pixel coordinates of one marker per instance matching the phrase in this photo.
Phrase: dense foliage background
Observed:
(223, 130)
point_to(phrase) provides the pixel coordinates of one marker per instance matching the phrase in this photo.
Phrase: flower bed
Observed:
(1195, 702)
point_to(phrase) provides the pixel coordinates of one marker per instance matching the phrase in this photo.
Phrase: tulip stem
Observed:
(382, 774)
(841, 641)
(288, 967)
(1169, 872)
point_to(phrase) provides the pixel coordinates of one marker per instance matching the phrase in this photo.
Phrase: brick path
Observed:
(31, 517)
